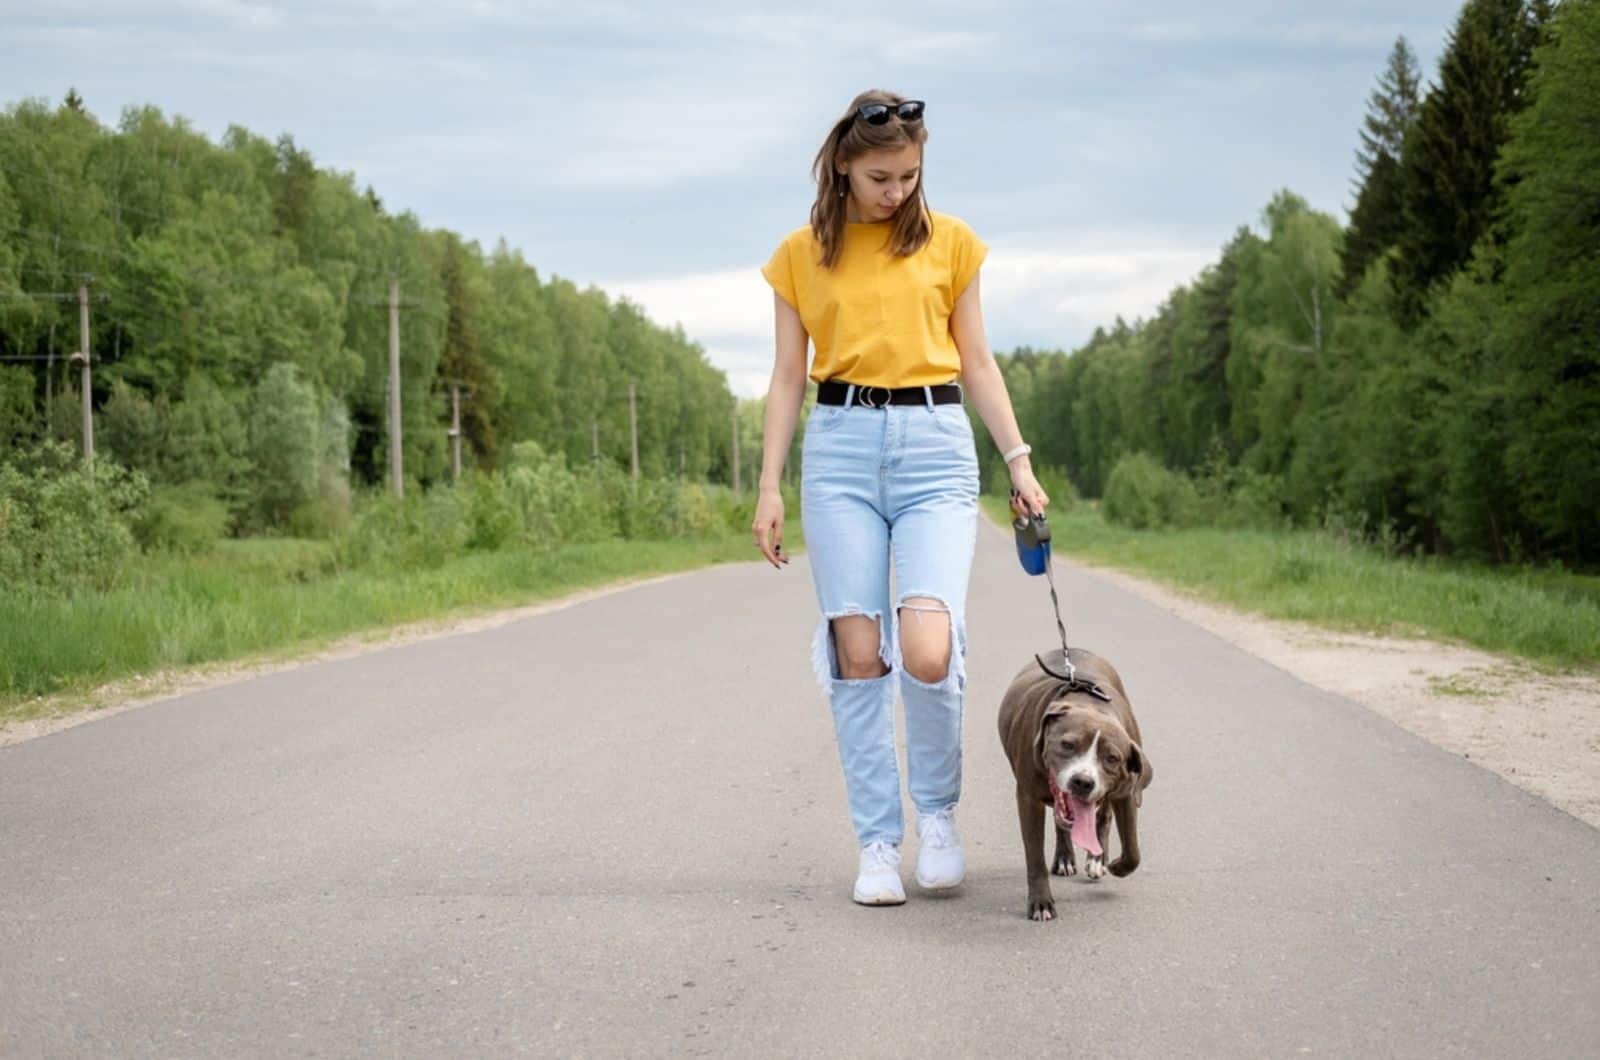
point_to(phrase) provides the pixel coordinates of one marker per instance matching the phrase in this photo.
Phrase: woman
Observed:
(886, 289)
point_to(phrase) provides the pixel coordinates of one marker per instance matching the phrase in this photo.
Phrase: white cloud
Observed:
(243, 14)
(837, 34)
(1069, 292)
(1214, 30)
(603, 143)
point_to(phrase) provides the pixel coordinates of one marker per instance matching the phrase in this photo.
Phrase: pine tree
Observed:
(1545, 356)
(1375, 220)
(73, 102)
(1447, 165)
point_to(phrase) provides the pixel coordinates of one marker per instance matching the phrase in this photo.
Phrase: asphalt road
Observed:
(620, 829)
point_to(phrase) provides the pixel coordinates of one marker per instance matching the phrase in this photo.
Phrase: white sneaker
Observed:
(940, 862)
(878, 882)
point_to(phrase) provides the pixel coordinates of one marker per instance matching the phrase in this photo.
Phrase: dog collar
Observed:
(1071, 682)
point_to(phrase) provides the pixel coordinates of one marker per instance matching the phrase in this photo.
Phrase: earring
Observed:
(844, 186)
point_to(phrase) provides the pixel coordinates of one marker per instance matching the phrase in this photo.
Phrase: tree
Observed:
(284, 443)
(1544, 356)
(293, 186)
(135, 428)
(19, 424)
(1203, 345)
(1447, 194)
(209, 443)
(1282, 314)
(1375, 219)
(463, 363)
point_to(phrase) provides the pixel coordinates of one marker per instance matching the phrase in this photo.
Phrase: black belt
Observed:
(832, 392)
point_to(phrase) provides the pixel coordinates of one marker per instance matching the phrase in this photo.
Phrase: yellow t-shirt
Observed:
(877, 319)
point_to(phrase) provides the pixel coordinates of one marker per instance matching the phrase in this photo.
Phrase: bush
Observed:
(418, 531)
(1349, 526)
(492, 516)
(323, 517)
(663, 508)
(537, 502)
(1258, 501)
(555, 505)
(63, 527)
(697, 514)
(1239, 497)
(1142, 495)
(185, 519)
(1057, 486)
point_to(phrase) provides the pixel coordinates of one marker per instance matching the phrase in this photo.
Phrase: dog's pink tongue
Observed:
(1084, 833)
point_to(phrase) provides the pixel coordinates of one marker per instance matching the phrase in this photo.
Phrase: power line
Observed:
(53, 296)
(36, 271)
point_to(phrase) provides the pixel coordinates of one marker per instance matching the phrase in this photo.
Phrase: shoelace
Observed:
(939, 829)
(878, 855)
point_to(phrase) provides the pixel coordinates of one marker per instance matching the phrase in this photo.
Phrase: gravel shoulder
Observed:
(1539, 731)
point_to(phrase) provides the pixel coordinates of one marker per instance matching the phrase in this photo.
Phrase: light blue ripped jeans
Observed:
(902, 478)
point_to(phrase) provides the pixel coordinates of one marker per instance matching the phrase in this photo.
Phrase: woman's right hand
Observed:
(768, 526)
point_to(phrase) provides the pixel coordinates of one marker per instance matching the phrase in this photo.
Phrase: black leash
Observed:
(1033, 550)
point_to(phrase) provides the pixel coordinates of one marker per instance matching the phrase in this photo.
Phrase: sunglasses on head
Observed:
(878, 113)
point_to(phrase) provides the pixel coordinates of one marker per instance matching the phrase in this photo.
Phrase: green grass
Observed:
(1548, 616)
(271, 598)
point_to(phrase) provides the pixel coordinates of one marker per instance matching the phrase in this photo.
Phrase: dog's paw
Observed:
(1063, 865)
(1123, 866)
(1041, 909)
(1094, 866)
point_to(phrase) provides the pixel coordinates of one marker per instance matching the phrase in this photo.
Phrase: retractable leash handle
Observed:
(1033, 542)
(1033, 551)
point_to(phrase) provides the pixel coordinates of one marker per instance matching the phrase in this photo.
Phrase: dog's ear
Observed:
(1050, 715)
(1139, 765)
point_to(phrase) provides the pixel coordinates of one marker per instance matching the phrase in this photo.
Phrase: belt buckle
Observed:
(861, 398)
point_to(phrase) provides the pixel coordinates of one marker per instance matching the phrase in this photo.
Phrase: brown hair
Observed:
(849, 139)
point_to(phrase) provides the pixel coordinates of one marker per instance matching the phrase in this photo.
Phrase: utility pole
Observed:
(394, 388)
(736, 489)
(83, 355)
(50, 370)
(455, 431)
(594, 452)
(633, 429)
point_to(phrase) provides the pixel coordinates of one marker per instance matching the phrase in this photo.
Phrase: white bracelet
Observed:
(1018, 451)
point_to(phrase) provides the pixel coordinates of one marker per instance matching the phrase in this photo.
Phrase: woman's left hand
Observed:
(1025, 490)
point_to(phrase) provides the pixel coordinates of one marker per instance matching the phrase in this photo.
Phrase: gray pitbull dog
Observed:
(1080, 754)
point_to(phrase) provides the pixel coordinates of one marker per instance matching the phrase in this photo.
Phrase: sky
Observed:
(660, 151)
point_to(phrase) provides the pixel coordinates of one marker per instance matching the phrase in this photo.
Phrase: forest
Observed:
(239, 336)
(1430, 371)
